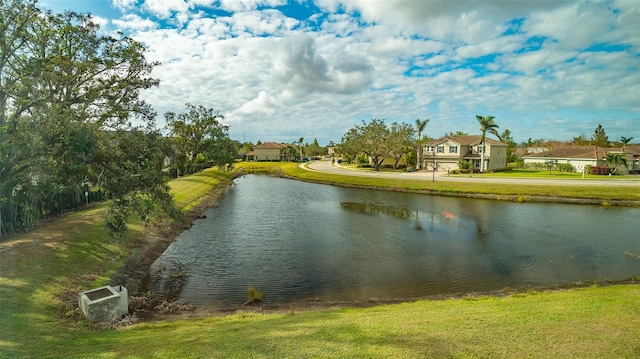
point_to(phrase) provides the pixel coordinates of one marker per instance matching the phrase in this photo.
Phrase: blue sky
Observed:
(283, 70)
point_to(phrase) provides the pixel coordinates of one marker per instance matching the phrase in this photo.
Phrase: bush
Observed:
(565, 167)
(362, 161)
(464, 164)
(253, 295)
(599, 170)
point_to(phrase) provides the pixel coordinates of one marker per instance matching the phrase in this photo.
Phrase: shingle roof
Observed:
(270, 145)
(585, 152)
(464, 140)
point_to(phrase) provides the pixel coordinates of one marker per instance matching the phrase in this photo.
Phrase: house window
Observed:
(453, 149)
(429, 148)
(440, 149)
(479, 149)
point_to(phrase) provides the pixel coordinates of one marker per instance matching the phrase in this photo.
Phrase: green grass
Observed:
(41, 271)
(595, 192)
(189, 191)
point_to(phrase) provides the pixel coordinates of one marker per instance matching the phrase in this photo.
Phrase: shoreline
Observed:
(140, 281)
(487, 196)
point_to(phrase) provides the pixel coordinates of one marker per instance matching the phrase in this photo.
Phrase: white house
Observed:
(581, 156)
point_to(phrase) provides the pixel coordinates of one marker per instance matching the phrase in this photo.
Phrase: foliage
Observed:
(507, 138)
(314, 149)
(487, 124)
(625, 140)
(199, 132)
(400, 137)
(615, 160)
(581, 140)
(456, 133)
(599, 170)
(253, 295)
(370, 139)
(420, 126)
(600, 137)
(464, 164)
(69, 97)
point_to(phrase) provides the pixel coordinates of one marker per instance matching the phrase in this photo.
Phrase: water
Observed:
(299, 241)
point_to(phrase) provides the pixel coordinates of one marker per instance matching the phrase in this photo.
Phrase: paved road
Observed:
(327, 166)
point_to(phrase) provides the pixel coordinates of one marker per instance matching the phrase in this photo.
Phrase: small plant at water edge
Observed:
(253, 295)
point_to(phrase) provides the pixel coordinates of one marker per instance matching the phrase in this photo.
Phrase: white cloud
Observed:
(124, 4)
(278, 78)
(248, 5)
(134, 22)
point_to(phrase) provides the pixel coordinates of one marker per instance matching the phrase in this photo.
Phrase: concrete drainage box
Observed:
(104, 303)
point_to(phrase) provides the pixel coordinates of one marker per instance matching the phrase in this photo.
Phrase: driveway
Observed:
(328, 167)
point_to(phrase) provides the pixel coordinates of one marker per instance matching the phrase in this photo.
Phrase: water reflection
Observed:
(298, 241)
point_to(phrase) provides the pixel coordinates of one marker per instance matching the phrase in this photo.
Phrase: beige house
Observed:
(270, 151)
(581, 156)
(444, 153)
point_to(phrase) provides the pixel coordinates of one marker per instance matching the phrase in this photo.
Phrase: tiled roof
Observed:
(464, 140)
(270, 145)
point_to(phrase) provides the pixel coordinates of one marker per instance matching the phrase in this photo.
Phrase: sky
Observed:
(279, 70)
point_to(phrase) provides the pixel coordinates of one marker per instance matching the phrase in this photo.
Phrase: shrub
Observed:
(565, 167)
(362, 161)
(253, 295)
(464, 164)
(599, 170)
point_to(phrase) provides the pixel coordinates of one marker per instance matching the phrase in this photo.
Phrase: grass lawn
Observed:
(40, 272)
(603, 194)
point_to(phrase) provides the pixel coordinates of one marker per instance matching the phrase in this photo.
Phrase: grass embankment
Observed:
(523, 193)
(41, 271)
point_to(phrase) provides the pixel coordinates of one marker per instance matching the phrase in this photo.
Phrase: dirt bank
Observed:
(134, 275)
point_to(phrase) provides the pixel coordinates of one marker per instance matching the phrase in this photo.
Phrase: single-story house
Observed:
(581, 156)
(444, 153)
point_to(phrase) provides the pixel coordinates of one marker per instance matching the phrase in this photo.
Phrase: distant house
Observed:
(444, 153)
(581, 156)
(270, 151)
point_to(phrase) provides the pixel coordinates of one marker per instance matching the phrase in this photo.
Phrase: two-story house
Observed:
(270, 151)
(444, 153)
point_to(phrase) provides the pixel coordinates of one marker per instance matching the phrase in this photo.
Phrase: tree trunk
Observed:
(482, 159)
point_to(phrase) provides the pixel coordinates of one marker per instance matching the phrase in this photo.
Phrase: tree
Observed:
(486, 125)
(370, 139)
(625, 141)
(456, 134)
(580, 140)
(300, 146)
(196, 132)
(400, 137)
(506, 137)
(600, 137)
(420, 126)
(615, 160)
(64, 90)
(290, 152)
(314, 149)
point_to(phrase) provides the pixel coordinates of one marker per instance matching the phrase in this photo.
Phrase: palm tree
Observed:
(300, 143)
(486, 125)
(615, 160)
(625, 141)
(420, 125)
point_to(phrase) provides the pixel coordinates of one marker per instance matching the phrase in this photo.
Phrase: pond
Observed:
(298, 241)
